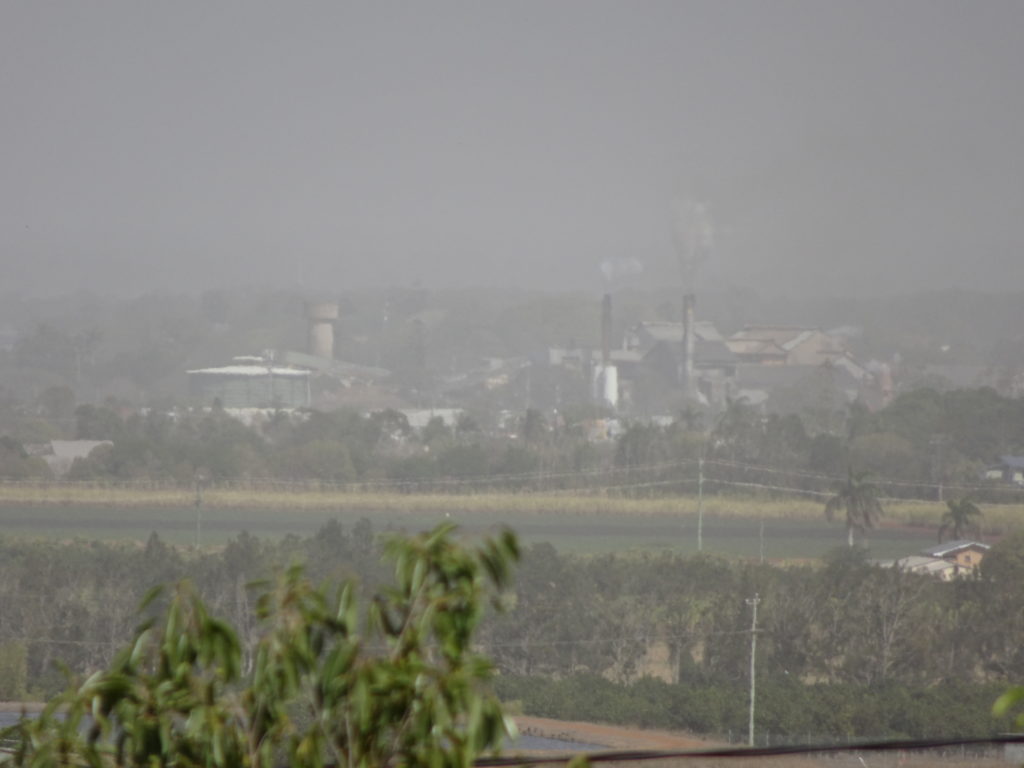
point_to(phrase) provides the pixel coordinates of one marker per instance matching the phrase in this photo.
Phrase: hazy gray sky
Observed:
(844, 146)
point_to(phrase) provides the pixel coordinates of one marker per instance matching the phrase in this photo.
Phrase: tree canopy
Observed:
(328, 681)
(961, 517)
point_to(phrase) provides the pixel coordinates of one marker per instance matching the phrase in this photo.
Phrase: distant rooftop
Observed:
(337, 368)
(250, 370)
(952, 547)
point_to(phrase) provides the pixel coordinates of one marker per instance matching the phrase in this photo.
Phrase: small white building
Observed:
(418, 418)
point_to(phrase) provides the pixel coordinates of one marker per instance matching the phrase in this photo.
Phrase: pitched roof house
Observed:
(945, 562)
(1010, 469)
(965, 554)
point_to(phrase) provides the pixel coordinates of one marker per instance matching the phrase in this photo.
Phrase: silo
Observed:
(606, 330)
(610, 386)
(321, 316)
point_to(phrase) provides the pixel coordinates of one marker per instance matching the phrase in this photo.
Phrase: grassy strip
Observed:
(913, 513)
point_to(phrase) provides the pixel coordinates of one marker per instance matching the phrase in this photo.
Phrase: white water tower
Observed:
(321, 316)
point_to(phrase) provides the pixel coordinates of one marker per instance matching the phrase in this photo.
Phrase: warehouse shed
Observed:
(251, 386)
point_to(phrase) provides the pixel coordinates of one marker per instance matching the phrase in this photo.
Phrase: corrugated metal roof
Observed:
(755, 347)
(250, 370)
(780, 334)
(337, 368)
(797, 340)
(951, 547)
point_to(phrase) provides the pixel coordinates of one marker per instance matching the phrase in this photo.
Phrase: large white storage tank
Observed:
(321, 316)
(605, 385)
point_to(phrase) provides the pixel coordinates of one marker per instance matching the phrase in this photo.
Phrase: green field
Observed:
(794, 529)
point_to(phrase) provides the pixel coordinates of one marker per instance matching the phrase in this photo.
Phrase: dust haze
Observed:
(719, 305)
(846, 149)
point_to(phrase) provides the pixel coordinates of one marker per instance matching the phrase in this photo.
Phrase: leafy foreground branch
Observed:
(323, 683)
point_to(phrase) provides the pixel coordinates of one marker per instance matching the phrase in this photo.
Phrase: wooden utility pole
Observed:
(201, 476)
(938, 444)
(700, 504)
(199, 512)
(752, 602)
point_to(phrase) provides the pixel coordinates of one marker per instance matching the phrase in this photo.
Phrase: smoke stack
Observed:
(321, 316)
(688, 344)
(606, 330)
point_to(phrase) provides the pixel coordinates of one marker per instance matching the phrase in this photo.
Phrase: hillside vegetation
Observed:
(846, 628)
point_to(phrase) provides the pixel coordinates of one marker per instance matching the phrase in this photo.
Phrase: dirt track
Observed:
(619, 738)
(610, 736)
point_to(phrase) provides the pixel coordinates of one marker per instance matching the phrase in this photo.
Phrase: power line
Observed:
(702, 479)
(444, 484)
(876, 480)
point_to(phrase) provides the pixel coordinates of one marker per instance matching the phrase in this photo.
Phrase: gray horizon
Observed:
(844, 149)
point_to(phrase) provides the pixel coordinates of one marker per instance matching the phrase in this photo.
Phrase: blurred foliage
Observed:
(844, 627)
(786, 709)
(325, 681)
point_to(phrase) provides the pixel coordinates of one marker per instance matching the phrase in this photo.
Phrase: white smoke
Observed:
(614, 269)
(692, 230)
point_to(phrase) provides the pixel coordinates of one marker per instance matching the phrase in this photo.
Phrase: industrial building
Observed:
(247, 385)
(284, 378)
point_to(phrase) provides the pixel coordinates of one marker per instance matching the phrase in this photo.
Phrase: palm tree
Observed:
(959, 519)
(859, 499)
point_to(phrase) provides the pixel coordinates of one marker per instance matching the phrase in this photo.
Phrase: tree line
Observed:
(922, 442)
(846, 625)
(322, 676)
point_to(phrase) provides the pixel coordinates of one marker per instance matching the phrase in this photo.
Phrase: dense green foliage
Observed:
(923, 440)
(788, 711)
(84, 366)
(324, 680)
(75, 602)
(336, 448)
(847, 626)
(849, 622)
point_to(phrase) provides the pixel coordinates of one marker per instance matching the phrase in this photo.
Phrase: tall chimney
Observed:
(321, 316)
(606, 330)
(689, 300)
